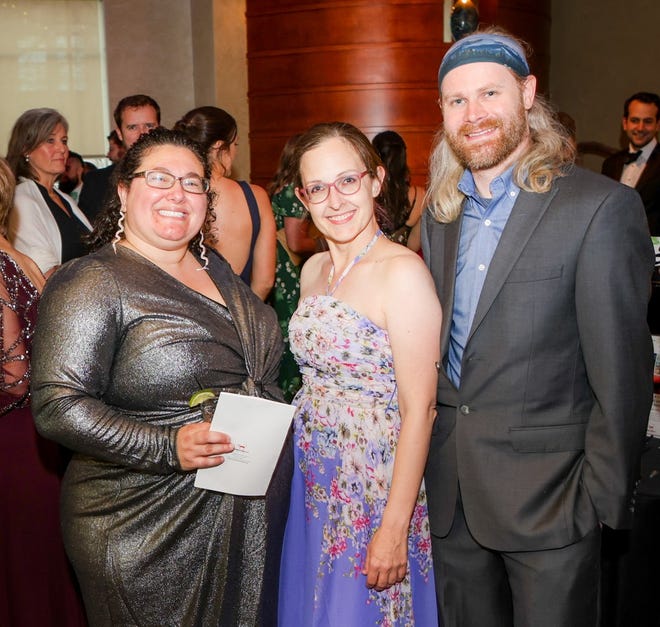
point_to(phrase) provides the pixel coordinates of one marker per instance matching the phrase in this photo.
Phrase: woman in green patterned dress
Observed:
(295, 242)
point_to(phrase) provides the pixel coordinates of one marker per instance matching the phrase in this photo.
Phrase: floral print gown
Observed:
(345, 433)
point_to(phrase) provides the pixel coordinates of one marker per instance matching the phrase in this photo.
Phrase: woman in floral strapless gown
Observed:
(357, 546)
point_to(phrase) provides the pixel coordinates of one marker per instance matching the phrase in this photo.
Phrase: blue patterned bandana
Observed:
(484, 48)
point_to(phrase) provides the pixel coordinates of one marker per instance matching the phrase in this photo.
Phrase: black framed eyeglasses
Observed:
(347, 184)
(165, 180)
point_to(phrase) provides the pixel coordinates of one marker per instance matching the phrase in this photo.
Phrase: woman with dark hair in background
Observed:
(37, 587)
(46, 224)
(245, 227)
(126, 335)
(401, 201)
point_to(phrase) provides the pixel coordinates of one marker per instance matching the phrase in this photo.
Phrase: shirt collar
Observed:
(500, 185)
(646, 151)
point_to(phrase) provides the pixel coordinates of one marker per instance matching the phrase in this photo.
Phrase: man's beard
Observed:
(483, 156)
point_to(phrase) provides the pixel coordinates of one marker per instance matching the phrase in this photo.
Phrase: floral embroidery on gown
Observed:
(345, 433)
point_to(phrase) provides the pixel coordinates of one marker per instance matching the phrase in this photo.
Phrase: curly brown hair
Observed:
(105, 225)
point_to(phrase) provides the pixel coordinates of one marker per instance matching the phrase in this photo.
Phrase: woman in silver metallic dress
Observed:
(125, 336)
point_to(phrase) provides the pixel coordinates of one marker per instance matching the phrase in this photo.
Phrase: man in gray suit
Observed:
(543, 271)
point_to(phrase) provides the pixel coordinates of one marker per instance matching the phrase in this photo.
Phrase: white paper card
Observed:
(258, 428)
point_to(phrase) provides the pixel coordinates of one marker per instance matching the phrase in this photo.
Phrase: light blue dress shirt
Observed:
(484, 220)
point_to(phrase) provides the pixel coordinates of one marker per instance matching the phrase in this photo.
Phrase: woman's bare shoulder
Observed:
(401, 264)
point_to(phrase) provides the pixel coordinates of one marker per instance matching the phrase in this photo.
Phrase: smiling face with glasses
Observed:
(159, 179)
(339, 191)
(166, 201)
(347, 184)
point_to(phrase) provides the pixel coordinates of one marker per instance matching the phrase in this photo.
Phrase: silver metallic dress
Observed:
(120, 347)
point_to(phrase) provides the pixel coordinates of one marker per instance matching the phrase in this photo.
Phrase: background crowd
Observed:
(470, 408)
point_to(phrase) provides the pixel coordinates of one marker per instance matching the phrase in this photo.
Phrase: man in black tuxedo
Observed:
(134, 116)
(639, 165)
(630, 559)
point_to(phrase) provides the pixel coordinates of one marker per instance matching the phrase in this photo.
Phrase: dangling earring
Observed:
(202, 251)
(27, 158)
(120, 229)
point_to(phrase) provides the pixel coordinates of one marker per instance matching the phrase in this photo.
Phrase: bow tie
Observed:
(631, 157)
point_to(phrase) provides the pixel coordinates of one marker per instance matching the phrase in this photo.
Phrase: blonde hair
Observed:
(7, 187)
(548, 155)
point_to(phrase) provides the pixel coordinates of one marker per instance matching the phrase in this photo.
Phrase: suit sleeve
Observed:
(88, 201)
(612, 291)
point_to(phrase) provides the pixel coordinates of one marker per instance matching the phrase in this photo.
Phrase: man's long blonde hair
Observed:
(550, 152)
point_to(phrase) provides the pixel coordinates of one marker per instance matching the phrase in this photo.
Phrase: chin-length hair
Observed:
(105, 226)
(32, 129)
(549, 154)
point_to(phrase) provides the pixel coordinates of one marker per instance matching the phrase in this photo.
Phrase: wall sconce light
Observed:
(461, 18)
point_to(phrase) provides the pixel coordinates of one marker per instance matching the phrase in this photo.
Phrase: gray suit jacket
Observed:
(544, 434)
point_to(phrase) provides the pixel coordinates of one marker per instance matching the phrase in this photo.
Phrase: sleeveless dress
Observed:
(37, 584)
(72, 230)
(345, 435)
(286, 291)
(401, 232)
(253, 207)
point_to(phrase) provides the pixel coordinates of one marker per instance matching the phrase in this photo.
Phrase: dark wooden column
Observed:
(531, 21)
(368, 62)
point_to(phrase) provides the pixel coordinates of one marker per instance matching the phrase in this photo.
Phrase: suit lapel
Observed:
(452, 233)
(442, 263)
(618, 169)
(652, 169)
(524, 218)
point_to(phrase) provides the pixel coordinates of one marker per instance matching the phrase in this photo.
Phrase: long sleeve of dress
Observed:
(80, 326)
(120, 347)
